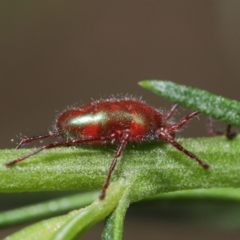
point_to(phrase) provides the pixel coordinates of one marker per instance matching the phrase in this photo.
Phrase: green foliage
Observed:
(205, 102)
(144, 171)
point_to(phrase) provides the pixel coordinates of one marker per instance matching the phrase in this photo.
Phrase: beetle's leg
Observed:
(122, 143)
(212, 131)
(61, 144)
(34, 138)
(183, 121)
(229, 134)
(171, 112)
(167, 138)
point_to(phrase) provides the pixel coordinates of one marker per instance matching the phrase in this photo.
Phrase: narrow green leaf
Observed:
(151, 168)
(43, 230)
(56, 169)
(212, 105)
(213, 193)
(47, 208)
(91, 214)
(76, 222)
(113, 228)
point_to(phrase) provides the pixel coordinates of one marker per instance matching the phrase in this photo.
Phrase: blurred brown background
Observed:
(54, 54)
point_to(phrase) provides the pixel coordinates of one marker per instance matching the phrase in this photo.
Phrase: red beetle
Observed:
(121, 120)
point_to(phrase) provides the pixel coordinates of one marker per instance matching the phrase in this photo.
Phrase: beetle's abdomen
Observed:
(102, 118)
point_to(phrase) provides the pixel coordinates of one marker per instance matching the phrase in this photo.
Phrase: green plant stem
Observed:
(157, 167)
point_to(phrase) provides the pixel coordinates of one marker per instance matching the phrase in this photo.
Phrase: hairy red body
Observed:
(103, 118)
